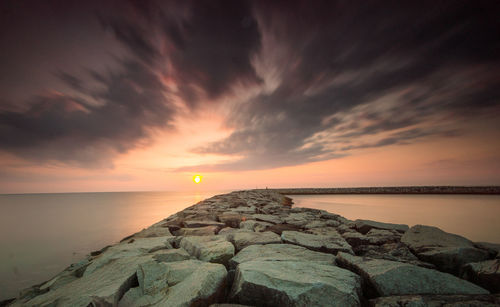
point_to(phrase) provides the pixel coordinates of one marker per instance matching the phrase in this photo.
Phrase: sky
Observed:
(143, 95)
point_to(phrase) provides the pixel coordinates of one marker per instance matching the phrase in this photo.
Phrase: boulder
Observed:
(332, 243)
(294, 283)
(273, 219)
(171, 255)
(381, 236)
(485, 273)
(279, 228)
(247, 238)
(130, 248)
(391, 251)
(153, 232)
(257, 226)
(280, 252)
(106, 285)
(301, 219)
(214, 249)
(448, 252)
(386, 278)
(201, 231)
(196, 224)
(364, 226)
(151, 276)
(355, 239)
(437, 300)
(231, 219)
(190, 283)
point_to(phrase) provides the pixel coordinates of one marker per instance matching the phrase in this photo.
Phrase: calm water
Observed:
(41, 234)
(476, 217)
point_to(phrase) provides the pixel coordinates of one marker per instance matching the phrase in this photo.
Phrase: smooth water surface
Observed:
(476, 217)
(41, 234)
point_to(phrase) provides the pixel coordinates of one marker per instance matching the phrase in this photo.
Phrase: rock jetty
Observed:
(253, 248)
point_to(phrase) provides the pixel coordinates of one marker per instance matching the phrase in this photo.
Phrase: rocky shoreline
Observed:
(253, 248)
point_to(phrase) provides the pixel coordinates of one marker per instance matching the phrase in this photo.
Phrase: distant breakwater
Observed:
(492, 190)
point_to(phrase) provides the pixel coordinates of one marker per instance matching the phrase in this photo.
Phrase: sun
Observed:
(197, 178)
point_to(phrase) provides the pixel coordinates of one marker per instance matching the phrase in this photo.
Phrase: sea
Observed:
(41, 234)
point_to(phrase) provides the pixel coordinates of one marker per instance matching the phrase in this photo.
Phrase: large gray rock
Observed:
(252, 225)
(449, 252)
(152, 278)
(189, 283)
(247, 238)
(332, 243)
(214, 249)
(130, 248)
(391, 251)
(386, 278)
(301, 219)
(196, 224)
(273, 219)
(203, 286)
(294, 283)
(106, 285)
(154, 231)
(280, 252)
(364, 226)
(437, 300)
(200, 231)
(485, 273)
(171, 255)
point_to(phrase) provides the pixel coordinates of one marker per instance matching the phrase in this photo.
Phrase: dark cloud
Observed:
(327, 77)
(395, 72)
(87, 118)
(60, 127)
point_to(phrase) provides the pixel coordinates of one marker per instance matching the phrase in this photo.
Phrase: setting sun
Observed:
(197, 178)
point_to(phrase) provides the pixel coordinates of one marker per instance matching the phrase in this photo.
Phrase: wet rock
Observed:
(485, 273)
(332, 243)
(364, 226)
(247, 238)
(214, 249)
(437, 300)
(280, 252)
(449, 252)
(294, 283)
(386, 278)
(171, 255)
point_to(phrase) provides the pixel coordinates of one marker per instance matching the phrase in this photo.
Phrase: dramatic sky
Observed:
(142, 95)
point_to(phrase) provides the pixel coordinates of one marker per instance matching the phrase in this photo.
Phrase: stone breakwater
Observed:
(252, 248)
(488, 190)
